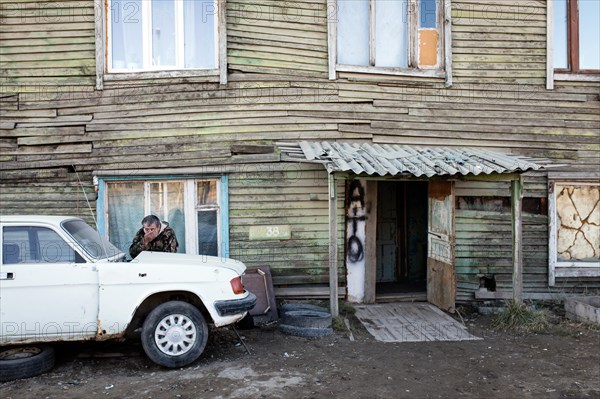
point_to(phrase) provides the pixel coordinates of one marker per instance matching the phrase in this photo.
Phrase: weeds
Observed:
(521, 318)
(346, 311)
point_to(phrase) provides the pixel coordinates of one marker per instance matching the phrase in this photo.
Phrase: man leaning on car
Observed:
(153, 236)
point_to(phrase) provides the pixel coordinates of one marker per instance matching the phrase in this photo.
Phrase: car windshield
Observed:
(89, 239)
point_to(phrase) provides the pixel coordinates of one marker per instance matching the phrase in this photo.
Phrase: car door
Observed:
(47, 290)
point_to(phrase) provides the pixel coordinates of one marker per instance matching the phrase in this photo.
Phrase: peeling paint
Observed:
(578, 212)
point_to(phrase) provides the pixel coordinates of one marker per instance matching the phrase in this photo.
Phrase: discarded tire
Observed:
(306, 318)
(25, 362)
(305, 331)
(301, 306)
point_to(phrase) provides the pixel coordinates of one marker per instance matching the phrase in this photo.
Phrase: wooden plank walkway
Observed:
(410, 322)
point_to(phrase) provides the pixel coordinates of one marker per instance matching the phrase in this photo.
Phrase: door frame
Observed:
(448, 283)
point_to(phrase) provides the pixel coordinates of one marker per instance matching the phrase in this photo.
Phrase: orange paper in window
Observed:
(428, 44)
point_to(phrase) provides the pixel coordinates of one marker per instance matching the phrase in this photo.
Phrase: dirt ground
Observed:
(562, 364)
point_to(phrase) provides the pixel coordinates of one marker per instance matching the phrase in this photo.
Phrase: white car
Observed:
(60, 281)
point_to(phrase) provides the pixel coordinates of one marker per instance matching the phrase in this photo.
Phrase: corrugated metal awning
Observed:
(392, 159)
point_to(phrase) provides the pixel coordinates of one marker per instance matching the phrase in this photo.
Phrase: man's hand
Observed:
(150, 233)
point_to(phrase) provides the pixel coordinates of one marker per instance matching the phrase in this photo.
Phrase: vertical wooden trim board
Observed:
(100, 36)
(447, 14)
(332, 18)
(552, 231)
(371, 242)
(333, 247)
(222, 26)
(550, 45)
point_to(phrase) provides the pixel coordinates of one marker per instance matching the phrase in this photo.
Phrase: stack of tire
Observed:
(305, 320)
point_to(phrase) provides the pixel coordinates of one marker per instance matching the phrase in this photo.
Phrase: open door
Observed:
(441, 276)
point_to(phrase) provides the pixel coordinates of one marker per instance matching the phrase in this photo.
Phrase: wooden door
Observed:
(441, 276)
(387, 220)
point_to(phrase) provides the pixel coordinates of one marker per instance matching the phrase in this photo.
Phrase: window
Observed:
(161, 35)
(160, 39)
(576, 33)
(35, 245)
(574, 211)
(390, 36)
(196, 209)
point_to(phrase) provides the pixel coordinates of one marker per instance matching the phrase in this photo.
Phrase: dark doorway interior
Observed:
(401, 239)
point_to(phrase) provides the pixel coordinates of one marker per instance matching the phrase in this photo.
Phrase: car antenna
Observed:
(90, 208)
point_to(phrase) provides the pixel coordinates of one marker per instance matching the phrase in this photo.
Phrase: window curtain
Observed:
(199, 33)
(125, 212)
(166, 202)
(126, 32)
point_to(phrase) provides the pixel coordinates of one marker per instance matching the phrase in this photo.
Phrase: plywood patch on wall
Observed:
(428, 47)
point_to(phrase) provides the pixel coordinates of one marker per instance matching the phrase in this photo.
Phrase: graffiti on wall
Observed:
(578, 215)
(356, 222)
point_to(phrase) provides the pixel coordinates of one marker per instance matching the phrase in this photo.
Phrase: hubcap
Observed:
(175, 335)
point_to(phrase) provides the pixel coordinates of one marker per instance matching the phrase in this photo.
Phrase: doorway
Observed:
(401, 243)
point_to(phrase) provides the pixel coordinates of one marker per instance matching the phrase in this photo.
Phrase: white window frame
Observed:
(102, 32)
(190, 205)
(444, 21)
(552, 76)
(558, 268)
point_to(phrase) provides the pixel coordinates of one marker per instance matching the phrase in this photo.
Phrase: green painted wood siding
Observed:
(47, 46)
(285, 194)
(484, 247)
(53, 121)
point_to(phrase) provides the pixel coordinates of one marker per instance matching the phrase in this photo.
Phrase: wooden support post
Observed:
(333, 248)
(516, 191)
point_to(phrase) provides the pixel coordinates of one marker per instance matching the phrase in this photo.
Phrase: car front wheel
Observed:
(174, 334)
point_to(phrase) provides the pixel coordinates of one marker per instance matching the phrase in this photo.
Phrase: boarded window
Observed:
(578, 223)
(574, 211)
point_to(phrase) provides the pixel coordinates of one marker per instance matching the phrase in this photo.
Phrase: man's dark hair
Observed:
(151, 220)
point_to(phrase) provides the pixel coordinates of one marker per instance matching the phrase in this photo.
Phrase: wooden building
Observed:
(194, 111)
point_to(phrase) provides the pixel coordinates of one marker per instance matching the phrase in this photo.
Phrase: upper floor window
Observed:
(576, 33)
(153, 35)
(389, 35)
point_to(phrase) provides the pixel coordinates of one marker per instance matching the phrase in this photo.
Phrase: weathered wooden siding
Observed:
(38, 192)
(53, 121)
(47, 47)
(484, 247)
(278, 37)
(497, 41)
(285, 194)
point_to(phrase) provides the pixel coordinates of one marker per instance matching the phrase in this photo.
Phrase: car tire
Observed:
(308, 332)
(307, 318)
(25, 361)
(301, 306)
(174, 334)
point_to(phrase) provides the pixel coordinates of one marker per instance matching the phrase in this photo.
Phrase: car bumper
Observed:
(235, 306)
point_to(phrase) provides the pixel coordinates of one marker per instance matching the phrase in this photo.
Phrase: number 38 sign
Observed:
(274, 232)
